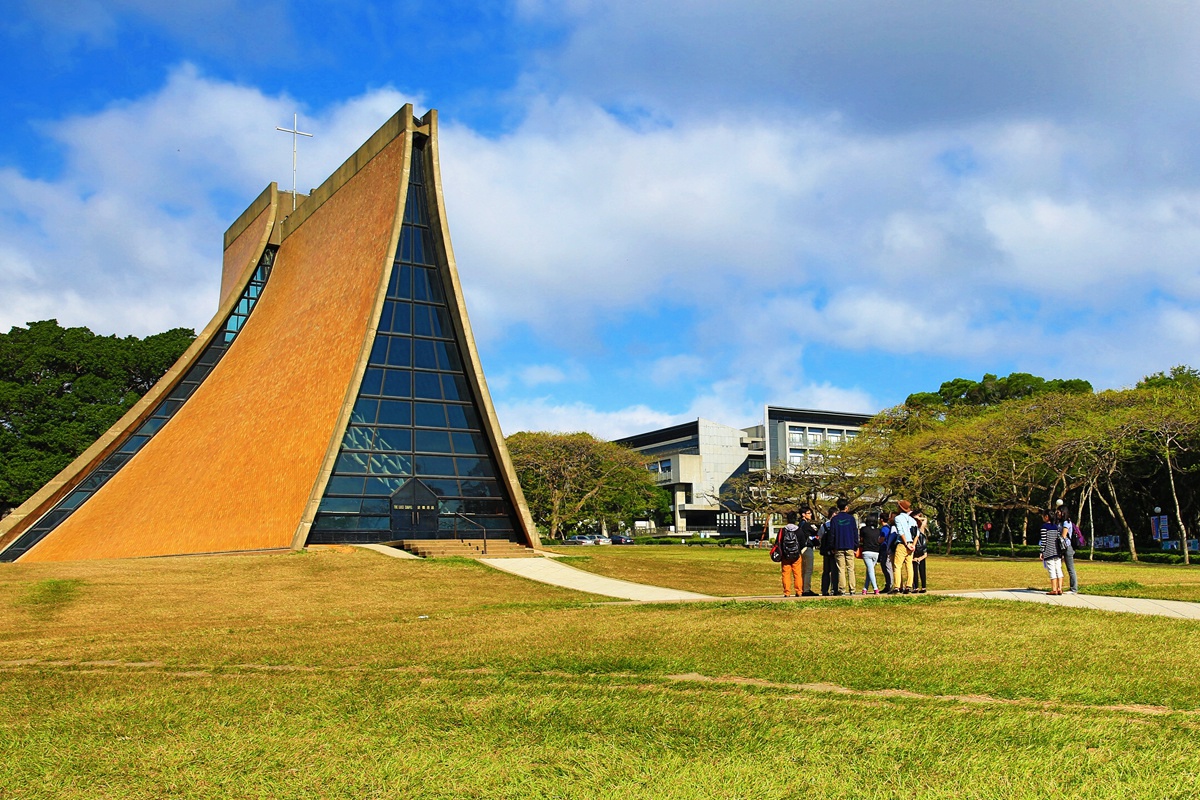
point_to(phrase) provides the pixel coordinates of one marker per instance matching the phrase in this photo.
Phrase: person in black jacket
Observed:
(810, 536)
(829, 571)
(920, 553)
(870, 536)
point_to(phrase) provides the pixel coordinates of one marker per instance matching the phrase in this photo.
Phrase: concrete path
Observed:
(1129, 605)
(391, 552)
(547, 570)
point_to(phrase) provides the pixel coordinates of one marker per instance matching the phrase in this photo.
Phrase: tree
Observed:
(1181, 376)
(1170, 424)
(60, 388)
(569, 478)
(990, 390)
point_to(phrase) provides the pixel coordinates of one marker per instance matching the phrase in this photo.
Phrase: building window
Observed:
(415, 416)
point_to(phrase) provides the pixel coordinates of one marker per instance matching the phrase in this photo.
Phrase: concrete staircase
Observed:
(465, 548)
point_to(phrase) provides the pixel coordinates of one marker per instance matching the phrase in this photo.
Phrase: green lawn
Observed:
(316, 675)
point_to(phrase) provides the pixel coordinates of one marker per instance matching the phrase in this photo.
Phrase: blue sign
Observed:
(1158, 528)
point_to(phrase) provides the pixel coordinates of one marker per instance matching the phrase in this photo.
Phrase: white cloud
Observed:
(538, 374)
(683, 366)
(544, 414)
(762, 235)
(127, 238)
(881, 63)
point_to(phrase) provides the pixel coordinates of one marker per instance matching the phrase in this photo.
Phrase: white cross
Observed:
(294, 131)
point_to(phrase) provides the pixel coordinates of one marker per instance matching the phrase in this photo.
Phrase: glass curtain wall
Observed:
(415, 423)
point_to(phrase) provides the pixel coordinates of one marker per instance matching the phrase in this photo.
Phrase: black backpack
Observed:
(789, 543)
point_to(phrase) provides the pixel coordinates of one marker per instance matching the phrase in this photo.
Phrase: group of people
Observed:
(1058, 539)
(896, 541)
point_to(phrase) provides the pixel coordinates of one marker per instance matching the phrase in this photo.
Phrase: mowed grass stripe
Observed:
(233, 670)
(441, 736)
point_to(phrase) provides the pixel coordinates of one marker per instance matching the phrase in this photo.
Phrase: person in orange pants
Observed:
(790, 546)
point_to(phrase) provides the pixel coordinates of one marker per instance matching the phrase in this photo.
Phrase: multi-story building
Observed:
(694, 460)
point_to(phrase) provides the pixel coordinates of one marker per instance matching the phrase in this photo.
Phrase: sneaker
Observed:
(864, 591)
(922, 590)
(811, 594)
(876, 591)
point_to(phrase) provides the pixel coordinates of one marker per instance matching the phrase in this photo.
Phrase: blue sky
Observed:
(660, 211)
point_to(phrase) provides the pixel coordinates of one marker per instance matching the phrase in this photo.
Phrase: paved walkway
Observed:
(1129, 605)
(547, 570)
(390, 552)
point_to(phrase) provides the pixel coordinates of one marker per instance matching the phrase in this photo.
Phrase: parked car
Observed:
(601, 539)
(620, 538)
(581, 539)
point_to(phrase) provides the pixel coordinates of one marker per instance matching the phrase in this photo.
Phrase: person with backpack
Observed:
(1051, 554)
(789, 543)
(845, 542)
(1068, 531)
(810, 538)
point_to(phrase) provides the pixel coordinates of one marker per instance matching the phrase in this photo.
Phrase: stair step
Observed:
(465, 548)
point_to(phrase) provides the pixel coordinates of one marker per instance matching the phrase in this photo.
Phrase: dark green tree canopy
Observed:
(990, 390)
(1181, 376)
(569, 478)
(60, 388)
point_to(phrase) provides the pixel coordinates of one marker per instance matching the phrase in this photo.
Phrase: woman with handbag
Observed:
(920, 552)
(1050, 554)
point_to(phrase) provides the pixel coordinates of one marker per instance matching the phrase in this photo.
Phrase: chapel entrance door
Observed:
(414, 511)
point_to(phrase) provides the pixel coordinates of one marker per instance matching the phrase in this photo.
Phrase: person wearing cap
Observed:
(902, 562)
